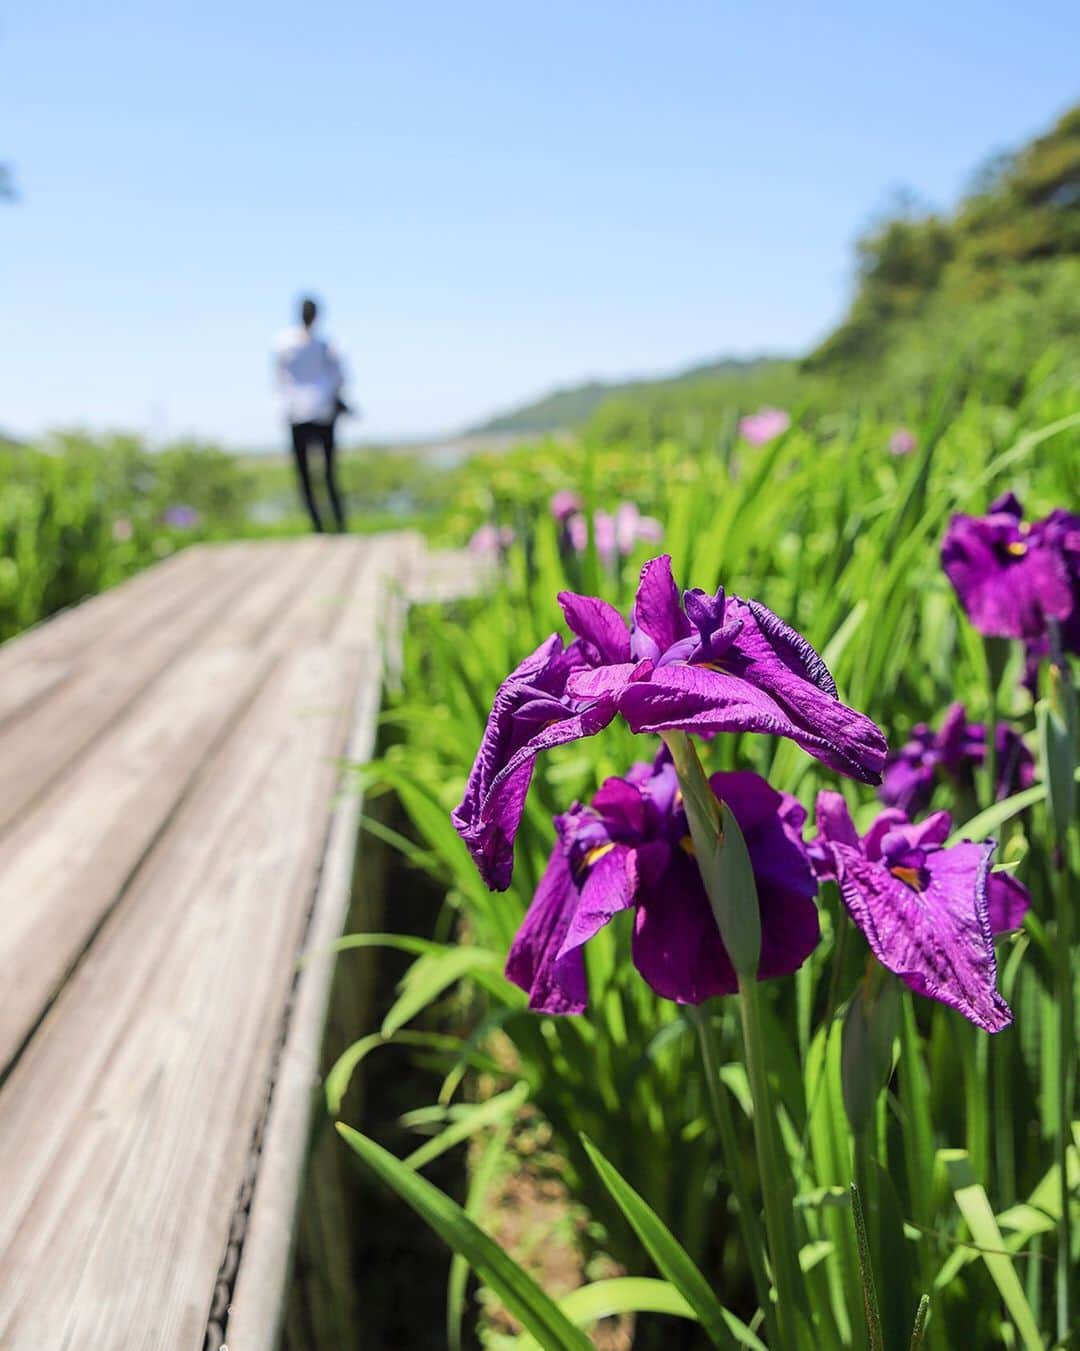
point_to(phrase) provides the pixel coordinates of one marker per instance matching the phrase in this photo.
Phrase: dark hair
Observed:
(308, 311)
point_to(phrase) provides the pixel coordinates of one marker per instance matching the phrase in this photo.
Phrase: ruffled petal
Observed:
(784, 643)
(1008, 902)
(834, 821)
(937, 939)
(752, 800)
(677, 945)
(892, 818)
(599, 624)
(623, 805)
(552, 987)
(606, 682)
(490, 811)
(659, 621)
(775, 701)
(609, 885)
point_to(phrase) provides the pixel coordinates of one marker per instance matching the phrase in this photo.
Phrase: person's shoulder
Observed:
(288, 338)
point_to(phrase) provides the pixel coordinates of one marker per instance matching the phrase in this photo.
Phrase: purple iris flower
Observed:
(764, 425)
(1012, 577)
(929, 914)
(181, 517)
(910, 773)
(1059, 533)
(631, 849)
(694, 663)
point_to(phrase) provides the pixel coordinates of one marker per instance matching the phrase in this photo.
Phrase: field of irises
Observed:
(751, 791)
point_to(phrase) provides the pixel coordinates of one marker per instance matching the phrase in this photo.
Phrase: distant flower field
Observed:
(759, 842)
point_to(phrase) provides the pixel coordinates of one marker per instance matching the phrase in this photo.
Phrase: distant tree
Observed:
(1021, 208)
(7, 186)
(899, 262)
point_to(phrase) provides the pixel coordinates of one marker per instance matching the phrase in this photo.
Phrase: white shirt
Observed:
(308, 375)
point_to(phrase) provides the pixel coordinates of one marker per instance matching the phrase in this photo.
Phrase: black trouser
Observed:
(304, 435)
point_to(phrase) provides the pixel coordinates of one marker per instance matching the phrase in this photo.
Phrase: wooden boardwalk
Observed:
(170, 841)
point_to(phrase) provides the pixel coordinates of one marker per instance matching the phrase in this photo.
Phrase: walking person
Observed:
(309, 378)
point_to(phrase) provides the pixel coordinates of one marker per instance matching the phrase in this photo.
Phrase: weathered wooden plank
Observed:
(257, 1306)
(36, 747)
(319, 602)
(87, 624)
(367, 615)
(283, 569)
(262, 1281)
(125, 1124)
(68, 859)
(23, 685)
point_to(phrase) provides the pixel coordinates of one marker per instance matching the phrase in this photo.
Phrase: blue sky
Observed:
(492, 198)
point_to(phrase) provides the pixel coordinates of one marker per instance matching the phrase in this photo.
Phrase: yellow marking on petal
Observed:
(1016, 548)
(711, 666)
(595, 855)
(910, 876)
(687, 844)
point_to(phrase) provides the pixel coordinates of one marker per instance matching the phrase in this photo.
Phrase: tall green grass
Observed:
(841, 539)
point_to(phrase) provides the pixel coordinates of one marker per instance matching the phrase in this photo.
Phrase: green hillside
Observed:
(1022, 214)
(574, 405)
(989, 293)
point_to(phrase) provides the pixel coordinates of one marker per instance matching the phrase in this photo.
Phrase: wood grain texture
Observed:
(169, 829)
(81, 627)
(125, 1124)
(24, 684)
(323, 595)
(281, 574)
(36, 748)
(257, 1307)
(67, 862)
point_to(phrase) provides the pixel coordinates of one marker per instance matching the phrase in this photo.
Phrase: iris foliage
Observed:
(958, 1160)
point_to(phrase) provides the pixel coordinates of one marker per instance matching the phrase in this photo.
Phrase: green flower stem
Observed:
(1057, 720)
(993, 658)
(721, 856)
(866, 1181)
(779, 1217)
(720, 1101)
(728, 878)
(1066, 1069)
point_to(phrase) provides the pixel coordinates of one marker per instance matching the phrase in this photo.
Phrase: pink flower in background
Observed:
(491, 539)
(577, 529)
(485, 540)
(902, 441)
(122, 530)
(764, 425)
(604, 530)
(615, 535)
(564, 504)
(631, 526)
